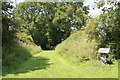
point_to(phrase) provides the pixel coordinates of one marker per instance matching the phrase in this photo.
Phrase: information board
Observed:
(104, 50)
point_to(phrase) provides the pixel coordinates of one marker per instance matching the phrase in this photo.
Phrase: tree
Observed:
(50, 23)
(7, 24)
(108, 28)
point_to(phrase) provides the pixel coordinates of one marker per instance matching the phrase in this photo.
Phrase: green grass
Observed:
(49, 64)
(17, 54)
(78, 47)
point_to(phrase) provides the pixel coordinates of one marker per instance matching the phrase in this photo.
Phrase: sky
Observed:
(93, 12)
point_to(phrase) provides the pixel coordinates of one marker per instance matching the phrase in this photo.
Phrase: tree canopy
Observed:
(50, 23)
(107, 27)
(7, 24)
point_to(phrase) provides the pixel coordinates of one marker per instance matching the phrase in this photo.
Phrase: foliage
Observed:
(78, 47)
(47, 24)
(24, 49)
(27, 42)
(103, 29)
(24, 38)
(16, 55)
(50, 23)
(7, 24)
(19, 52)
(108, 28)
(14, 52)
(91, 28)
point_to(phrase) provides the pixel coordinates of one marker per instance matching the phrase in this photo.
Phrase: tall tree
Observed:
(7, 24)
(108, 28)
(50, 23)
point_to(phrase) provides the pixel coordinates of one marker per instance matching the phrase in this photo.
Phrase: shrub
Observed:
(24, 38)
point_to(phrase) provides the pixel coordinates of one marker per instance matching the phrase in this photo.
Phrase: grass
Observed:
(82, 47)
(49, 64)
(19, 52)
(27, 61)
(16, 55)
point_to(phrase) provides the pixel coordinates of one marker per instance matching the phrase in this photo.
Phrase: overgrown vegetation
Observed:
(18, 53)
(100, 32)
(30, 26)
(50, 23)
(106, 28)
(18, 46)
(79, 47)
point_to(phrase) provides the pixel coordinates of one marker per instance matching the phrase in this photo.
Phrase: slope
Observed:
(78, 47)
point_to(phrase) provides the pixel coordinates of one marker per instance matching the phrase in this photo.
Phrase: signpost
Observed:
(104, 55)
(104, 50)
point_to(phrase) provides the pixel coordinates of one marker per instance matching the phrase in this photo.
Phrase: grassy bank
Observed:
(78, 47)
(18, 53)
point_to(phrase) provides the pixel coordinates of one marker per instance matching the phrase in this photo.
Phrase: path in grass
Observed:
(49, 64)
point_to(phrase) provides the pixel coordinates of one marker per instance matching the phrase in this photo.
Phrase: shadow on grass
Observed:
(12, 57)
(34, 63)
(19, 59)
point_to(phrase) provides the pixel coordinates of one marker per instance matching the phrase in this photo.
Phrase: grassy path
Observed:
(48, 64)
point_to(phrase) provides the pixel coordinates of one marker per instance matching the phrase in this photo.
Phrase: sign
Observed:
(104, 50)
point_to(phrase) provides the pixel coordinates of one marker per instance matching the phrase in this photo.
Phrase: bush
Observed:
(24, 38)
